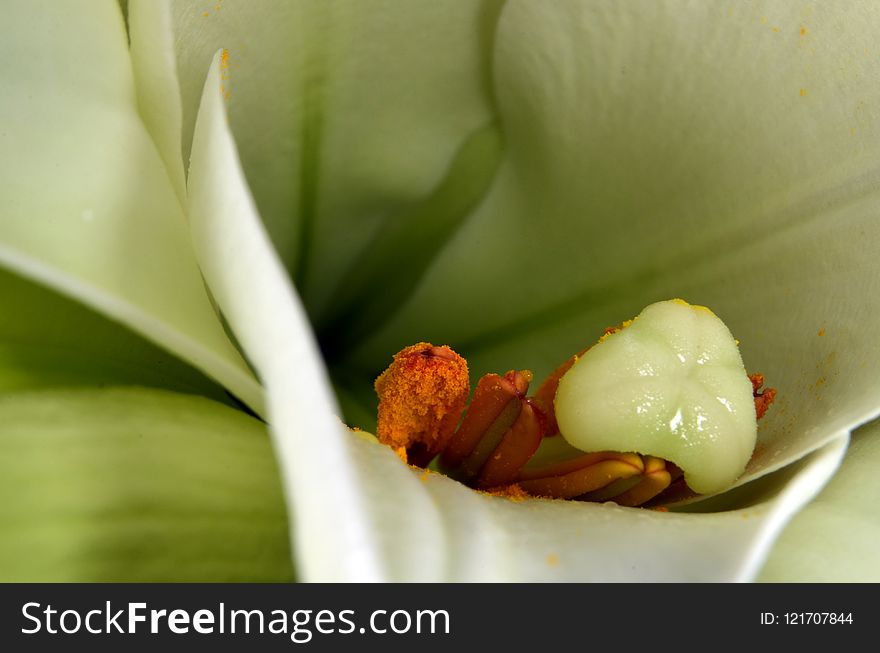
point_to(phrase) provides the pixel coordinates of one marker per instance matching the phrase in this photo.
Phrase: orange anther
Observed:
(495, 407)
(517, 446)
(547, 393)
(654, 480)
(421, 397)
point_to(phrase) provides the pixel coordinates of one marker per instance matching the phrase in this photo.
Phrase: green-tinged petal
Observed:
(48, 340)
(348, 115)
(362, 514)
(834, 539)
(724, 153)
(333, 535)
(87, 204)
(136, 485)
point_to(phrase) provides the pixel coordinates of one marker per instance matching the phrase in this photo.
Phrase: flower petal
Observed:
(158, 90)
(49, 340)
(317, 93)
(433, 528)
(656, 153)
(135, 485)
(253, 290)
(834, 539)
(87, 204)
(361, 514)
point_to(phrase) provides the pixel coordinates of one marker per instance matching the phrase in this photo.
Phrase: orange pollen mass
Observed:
(421, 397)
(763, 397)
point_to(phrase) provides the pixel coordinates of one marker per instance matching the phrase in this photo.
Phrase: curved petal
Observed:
(434, 529)
(317, 92)
(362, 514)
(135, 485)
(254, 292)
(87, 204)
(50, 341)
(834, 539)
(722, 154)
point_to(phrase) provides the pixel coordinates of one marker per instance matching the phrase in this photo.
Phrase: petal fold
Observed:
(48, 340)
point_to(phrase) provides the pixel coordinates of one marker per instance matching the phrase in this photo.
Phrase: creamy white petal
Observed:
(329, 514)
(88, 206)
(834, 538)
(435, 529)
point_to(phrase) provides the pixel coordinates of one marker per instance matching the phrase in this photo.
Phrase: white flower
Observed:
(505, 177)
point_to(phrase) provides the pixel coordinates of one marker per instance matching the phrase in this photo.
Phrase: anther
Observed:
(500, 432)
(421, 397)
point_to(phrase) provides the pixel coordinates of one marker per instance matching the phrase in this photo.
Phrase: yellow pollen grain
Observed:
(777, 29)
(803, 31)
(610, 331)
(803, 92)
(552, 559)
(511, 492)
(821, 333)
(698, 307)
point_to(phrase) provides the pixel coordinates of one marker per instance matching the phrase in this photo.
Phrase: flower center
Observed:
(492, 445)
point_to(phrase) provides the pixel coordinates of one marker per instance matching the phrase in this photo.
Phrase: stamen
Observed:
(654, 480)
(547, 392)
(421, 397)
(583, 474)
(518, 445)
(495, 407)
(500, 432)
